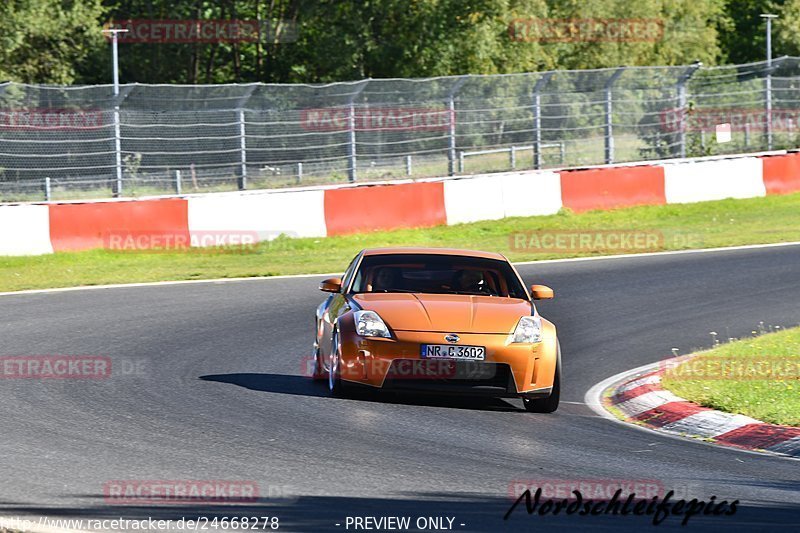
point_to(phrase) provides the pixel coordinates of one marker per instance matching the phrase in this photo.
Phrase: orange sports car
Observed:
(438, 320)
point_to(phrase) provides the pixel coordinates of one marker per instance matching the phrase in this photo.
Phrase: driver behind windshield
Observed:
(387, 279)
(470, 281)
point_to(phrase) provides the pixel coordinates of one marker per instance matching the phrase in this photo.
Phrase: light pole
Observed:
(768, 96)
(117, 140)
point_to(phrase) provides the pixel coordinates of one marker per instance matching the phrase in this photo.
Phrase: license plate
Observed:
(450, 351)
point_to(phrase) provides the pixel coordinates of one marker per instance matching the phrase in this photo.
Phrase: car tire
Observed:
(335, 383)
(549, 404)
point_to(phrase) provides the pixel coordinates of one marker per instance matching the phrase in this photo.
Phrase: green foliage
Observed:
(743, 34)
(689, 33)
(59, 41)
(45, 41)
(743, 31)
(786, 32)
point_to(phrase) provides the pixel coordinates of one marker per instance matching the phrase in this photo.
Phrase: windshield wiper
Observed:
(471, 293)
(409, 291)
(384, 291)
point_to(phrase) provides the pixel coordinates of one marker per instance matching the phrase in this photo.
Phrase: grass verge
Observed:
(757, 377)
(701, 225)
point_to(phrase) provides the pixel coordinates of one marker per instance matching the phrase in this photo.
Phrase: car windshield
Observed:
(437, 274)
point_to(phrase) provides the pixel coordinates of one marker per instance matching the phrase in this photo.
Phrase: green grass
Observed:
(701, 225)
(762, 380)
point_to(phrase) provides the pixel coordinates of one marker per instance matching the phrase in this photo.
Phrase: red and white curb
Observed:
(637, 397)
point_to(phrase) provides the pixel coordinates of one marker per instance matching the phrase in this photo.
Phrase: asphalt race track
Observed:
(216, 393)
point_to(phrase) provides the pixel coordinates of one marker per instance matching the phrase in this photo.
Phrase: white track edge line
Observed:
(668, 252)
(161, 283)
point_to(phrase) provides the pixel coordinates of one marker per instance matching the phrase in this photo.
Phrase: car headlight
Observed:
(529, 330)
(370, 324)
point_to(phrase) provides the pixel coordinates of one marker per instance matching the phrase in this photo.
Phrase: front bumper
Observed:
(508, 369)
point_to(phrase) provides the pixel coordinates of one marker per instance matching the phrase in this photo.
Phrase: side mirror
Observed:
(541, 292)
(331, 285)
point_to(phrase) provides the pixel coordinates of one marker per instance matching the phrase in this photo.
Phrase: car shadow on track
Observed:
(277, 383)
(303, 386)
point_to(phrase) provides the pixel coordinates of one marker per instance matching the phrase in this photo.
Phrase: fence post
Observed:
(771, 66)
(47, 194)
(461, 161)
(768, 99)
(769, 111)
(242, 179)
(119, 97)
(243, 151)
(512, 157)
(451, 109)
(609, 134)
(299, 172)
(177, 182)
(537, 118)
(351, 129)
(117, 192)
(351, 142)
(408, 165)
(682, 80)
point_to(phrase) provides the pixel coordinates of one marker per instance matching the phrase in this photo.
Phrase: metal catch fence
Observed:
(83, 142)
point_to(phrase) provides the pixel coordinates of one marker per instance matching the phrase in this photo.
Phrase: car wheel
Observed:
(335, 383)
(549, 404)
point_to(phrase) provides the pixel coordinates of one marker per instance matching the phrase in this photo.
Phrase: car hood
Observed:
(446, 313)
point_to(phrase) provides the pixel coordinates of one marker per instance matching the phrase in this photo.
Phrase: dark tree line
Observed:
(60, 41)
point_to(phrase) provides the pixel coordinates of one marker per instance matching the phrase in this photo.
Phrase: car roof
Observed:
(433, 251)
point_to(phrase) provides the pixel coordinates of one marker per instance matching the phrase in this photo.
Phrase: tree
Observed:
(59, 40)
(786, 29)
(742, 35)
(46, 41)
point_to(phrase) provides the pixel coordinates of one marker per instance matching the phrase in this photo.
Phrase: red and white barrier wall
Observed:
(29, 229)
(25, 230)
(299, 214)
(714, 180)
